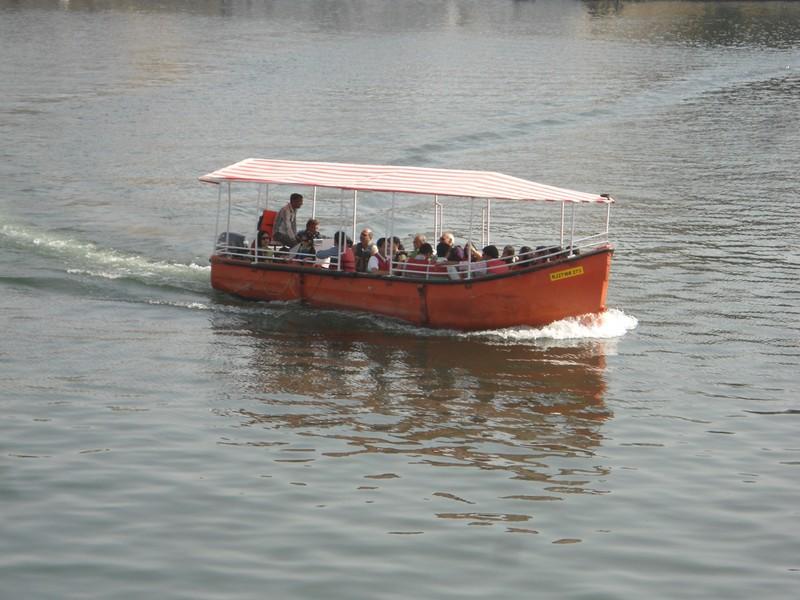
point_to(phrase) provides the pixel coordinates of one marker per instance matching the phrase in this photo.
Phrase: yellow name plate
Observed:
(559, 275)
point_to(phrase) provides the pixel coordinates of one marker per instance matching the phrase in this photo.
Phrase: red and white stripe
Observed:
(387, 178)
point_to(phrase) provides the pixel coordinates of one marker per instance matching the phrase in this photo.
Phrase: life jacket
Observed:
(439, 267)
(362, 256)
(347, 261)
(383, 263)
(266, 222)
(417, 266)
(495, 266)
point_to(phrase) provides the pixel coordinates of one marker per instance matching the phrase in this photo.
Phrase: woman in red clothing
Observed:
(494, 264)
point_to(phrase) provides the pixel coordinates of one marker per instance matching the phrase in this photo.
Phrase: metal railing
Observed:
(442, 270)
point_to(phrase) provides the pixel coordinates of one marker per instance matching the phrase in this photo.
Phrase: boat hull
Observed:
(531, 297)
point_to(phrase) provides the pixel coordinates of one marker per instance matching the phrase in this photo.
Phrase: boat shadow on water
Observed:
(445, 399)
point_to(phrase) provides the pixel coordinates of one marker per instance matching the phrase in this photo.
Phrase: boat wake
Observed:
(612, 323)
(85, 258)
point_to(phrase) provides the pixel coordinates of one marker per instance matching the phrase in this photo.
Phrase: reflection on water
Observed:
(531, 411)
(767, 24)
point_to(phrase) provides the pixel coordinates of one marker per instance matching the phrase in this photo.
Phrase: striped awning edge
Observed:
(389, 178)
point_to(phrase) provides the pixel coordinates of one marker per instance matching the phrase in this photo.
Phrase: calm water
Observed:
(158, 439)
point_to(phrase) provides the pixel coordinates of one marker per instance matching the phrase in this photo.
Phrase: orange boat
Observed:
(567, 278)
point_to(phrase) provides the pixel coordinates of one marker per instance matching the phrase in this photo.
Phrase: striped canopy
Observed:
(386, 178)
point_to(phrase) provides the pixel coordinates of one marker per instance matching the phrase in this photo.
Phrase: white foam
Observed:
(612, 323)
(188, 305)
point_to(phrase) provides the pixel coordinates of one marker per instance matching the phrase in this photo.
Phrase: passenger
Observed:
(400, 254)
(494, 264)
(442, 250)
(509, 255)
(260, 247)
(544, 254)
(448, 239)
(343, 249)
(311, 232)
(378, 263)
(304, 251)
(285, 228)
(455, 254)
(472, 253)
(473, 261)
(419, 265)
(363, 250)
(525, 258)
(419, 239)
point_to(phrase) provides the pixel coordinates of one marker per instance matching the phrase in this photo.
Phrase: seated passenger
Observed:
(304, 251)
(472, 253)
(400, 254)
(419, 239)
(260, 247)
(363, 250)
(473, 262)
(419, 265)
(494, 264)
(509, 255)
(448, 239)
(311, 232)
(525, 258)
(455, 254)
(378, 263)
(544, 254)
(342, 250)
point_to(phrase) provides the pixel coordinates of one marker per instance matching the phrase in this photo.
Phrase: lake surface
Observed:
(159, 439)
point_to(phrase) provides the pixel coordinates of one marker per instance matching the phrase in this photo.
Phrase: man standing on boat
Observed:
(285, 228)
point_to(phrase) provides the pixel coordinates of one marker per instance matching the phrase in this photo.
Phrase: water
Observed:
(160, 439)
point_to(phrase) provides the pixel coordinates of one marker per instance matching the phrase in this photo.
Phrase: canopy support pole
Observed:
(561, 239)
(488, 221)
(390, 245)
(341, 231)
(438, 217)
(469, 237)
(228, 228)
(216, 225)
(258, 216)
(355, 213)
(572, 232)
(314, 204)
